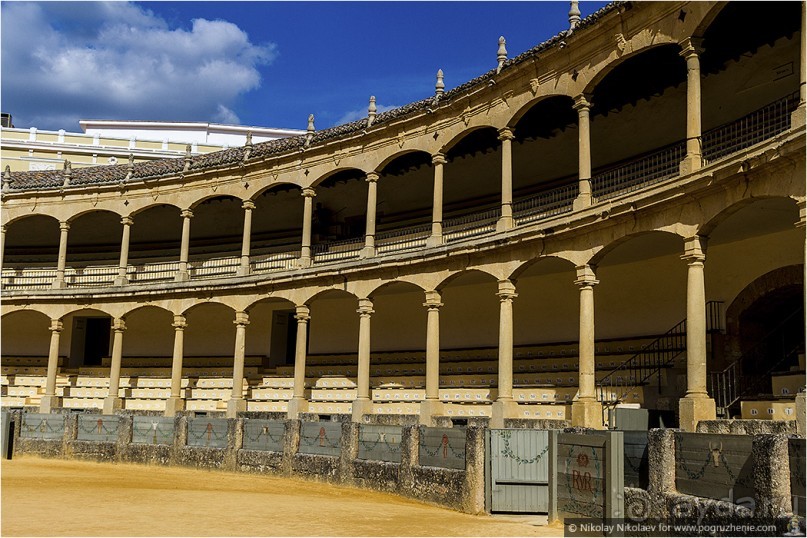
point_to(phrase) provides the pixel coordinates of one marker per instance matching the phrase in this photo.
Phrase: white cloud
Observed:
(61, 64)
(360, 113)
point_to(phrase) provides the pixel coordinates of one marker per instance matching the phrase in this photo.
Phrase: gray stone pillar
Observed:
(583, 108)
(59, 282)
(247, 206)
(308, 213)
(506, 219)
(369, 236)
(436, 238)
(182, 272)
(176, 402)
(237, 402)
(298, 403)
(696, 404)
(50, 401)
(691, 49)
(432, 405)
(586, 410)
(113, 402)
(123, 264)
(504, 407)
(363, 403)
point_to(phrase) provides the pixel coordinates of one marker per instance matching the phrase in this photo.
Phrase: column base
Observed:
(49, 403)
(244, 271)
(304, 261)
(801, 414)
(361, 407)
(121, 281)
(505, 223)
(112, 404)
(587, 413)
(235, 406)
(173, 406)
(582, 201)
(428, 409)
(295, 407)
(182, 276)
(367, 252)
(501, 410)
(799, 116)
(434, 241)
(59, 285)
(690, 164)
(692, 410)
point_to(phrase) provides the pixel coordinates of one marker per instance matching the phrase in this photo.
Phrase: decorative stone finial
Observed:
(187, 158)
(7, 179)
(501, 54)
(130, 170)
(574, 15)
(247, 146)
(439, 87)
(68, 173)
(249, 139)
(371, 111)
(309, 134)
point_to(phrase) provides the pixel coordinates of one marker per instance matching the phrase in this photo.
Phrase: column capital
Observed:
(118, 325)
(507, 290)
(56, 325)
(582, 102)
(64, 226)
(248, 205)
(372, 177)
(308, 192)
(433, 300)
(186, 214)
(439, 158)
(179, 323)
(127, 221)
(302, 313)
(241, 319)
(694, 249)
(365, 308)
(586, 277)
(506, 133)
(691, 46)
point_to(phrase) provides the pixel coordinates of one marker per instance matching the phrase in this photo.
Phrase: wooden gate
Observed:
(517, 477)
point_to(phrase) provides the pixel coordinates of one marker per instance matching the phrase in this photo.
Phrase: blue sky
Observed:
(250, 63)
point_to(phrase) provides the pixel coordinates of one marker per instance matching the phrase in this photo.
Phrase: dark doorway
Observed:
(283, 338)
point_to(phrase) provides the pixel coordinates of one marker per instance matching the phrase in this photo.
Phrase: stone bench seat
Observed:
(268, 406)
(22, 392)
(12, 401)
(187, 362)
(396, 408)
(268, 393)
(330, 407)
(209, 393)
(24, 370)
(148, 393)
(73, 402)
(345, 395)
(769, 409)
(144, 404)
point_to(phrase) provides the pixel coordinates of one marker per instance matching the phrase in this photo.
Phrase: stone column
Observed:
(504, 406)
(363, 403)
(299, 403)
(247, 206)
(237, 403)
(308, 211)
(436, 238)
(182, 273)
(432, 405)
(586, 410)
(59, 282)
(583, 108)
(506, 220)
(799, 117)
(113, 402)
(123, 265)
(176, 402)
(691, 49)
(49, 401)
(696, 404)
(2, 244)
(369, 236)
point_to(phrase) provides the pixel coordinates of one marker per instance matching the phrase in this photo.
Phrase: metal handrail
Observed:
(545, 204)
(652, 168)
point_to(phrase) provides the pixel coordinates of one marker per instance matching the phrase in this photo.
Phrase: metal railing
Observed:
(545, 204)
(730, 385)
(751, 129)
(640, 172)
(471, 225)
(337, 250)
(403, 239)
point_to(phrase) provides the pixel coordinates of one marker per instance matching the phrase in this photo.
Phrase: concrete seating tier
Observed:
(187, 362)
(29, 361)
(330, 407)
(83, 403)
(144, 404)
(270, 393)
(329, 395)
(24, 370)
(205, 405)
(769, 409)
(251, 371)
(266, 406)
(788, 384)
(397, 408)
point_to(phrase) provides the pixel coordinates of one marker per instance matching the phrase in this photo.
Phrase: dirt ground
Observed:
(70, 498)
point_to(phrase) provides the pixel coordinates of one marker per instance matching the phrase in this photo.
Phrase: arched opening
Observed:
(339, 216)
(86, 338)
(25, 335)
(154, 243)
(405, 198)
(216, 236)
(94, 239)
(149, 338)
(277, 223)
(30, 252)
(272, 333)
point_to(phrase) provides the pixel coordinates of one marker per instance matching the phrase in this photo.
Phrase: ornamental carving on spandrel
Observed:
(401, 140)
(466, 115)
(621, 42)
(534, 83)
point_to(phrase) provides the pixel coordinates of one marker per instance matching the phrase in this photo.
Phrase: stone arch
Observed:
(18, 218)
(208, 197)
(608, 68)
(330, 173)
(723, 213)
(279, 299)
(518, 114)
(451, 144)
(526, 266)
(391, 283)
(220, 301)
(454, 276)
(25, 333)
(396, 155)
(73, 218)
(147, 207)
(708, 17)
(272, 186)
(144, 306)
(603, 253)
(332, 291)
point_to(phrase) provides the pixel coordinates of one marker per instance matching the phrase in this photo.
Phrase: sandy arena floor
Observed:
(69, 498)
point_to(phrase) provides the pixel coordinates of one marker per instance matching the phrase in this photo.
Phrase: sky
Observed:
(267, 64)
